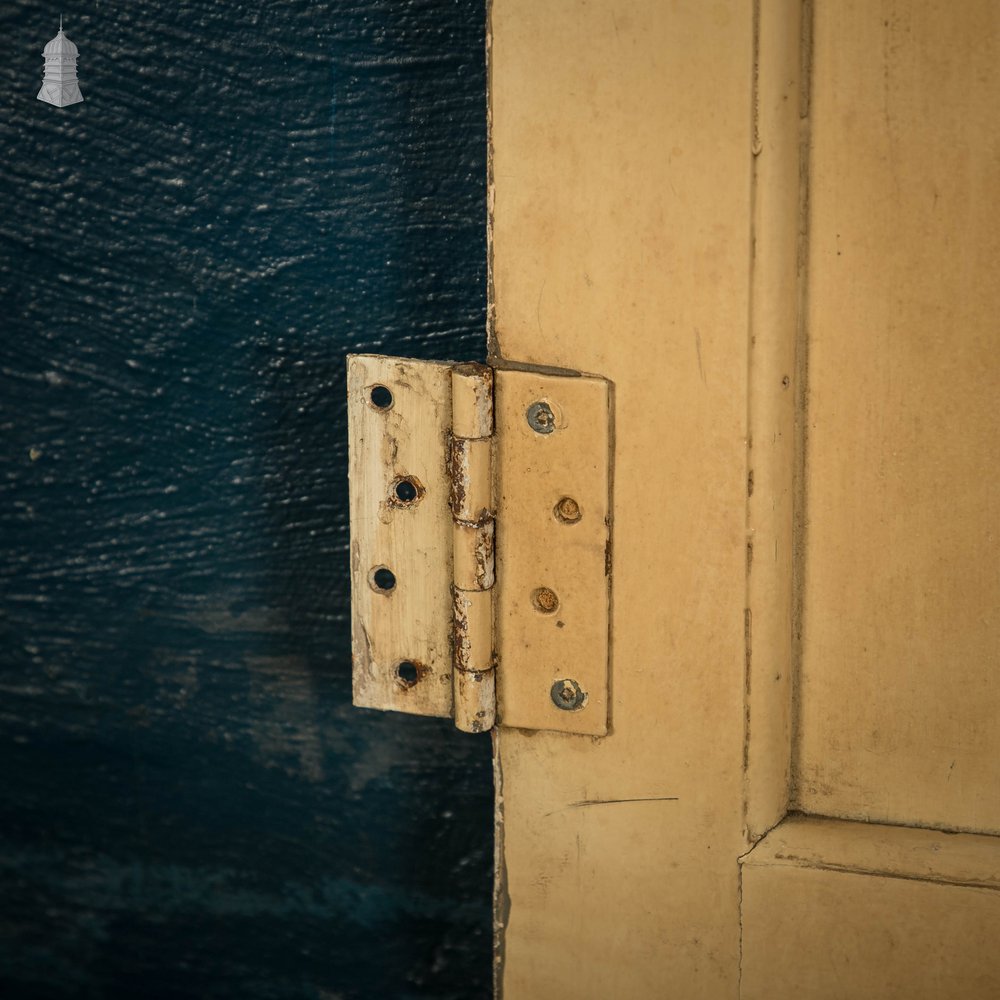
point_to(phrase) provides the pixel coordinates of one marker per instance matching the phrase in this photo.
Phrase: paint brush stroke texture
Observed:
(190, 806)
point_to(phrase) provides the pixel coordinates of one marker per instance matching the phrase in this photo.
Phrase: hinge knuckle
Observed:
(472, 401)
(473, 662)
(471, 489)
(475, 565)
(470, 466)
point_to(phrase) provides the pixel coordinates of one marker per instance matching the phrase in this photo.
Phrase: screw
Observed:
(568, 511)
(545, 600)
(567, 695)
(541, 418)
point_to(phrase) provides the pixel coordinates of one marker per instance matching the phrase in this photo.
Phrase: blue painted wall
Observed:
(189, 805)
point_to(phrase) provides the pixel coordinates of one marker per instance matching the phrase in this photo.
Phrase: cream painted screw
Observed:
(568, 511)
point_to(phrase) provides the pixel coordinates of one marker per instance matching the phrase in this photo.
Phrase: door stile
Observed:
(620, 221)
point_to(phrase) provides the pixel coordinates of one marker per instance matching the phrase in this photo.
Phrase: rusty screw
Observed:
(567, 695)
(541, 419)
(568, 511)
(545, 600)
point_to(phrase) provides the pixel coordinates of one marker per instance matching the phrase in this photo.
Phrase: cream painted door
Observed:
(775, 227)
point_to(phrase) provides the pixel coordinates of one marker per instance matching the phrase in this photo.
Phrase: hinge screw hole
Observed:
(406, 491)
(380, 397)
(408, 672)
(382, 579)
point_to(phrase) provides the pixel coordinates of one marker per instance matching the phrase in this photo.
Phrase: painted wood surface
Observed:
(189, 805)
(898, 700)
(622, 147)
(835, 909)
(769, 226)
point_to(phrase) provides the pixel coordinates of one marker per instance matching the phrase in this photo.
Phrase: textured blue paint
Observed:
(190, 807)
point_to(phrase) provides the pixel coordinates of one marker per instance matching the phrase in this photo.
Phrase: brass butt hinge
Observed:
(480, 516)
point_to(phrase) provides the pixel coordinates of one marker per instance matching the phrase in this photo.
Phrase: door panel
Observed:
(834, 909)
(898, 700)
